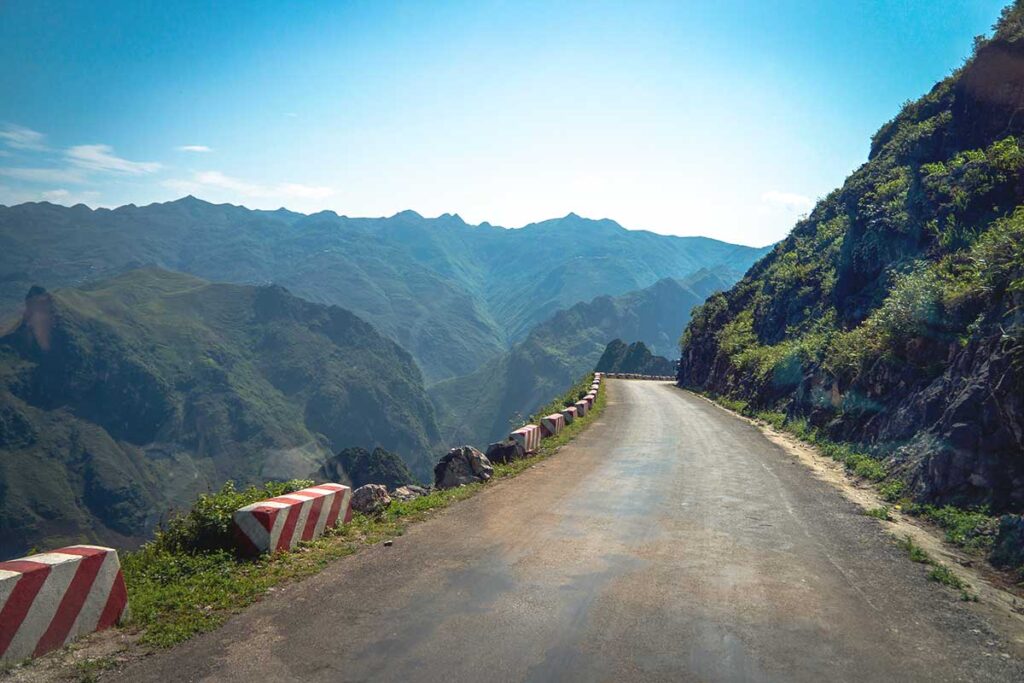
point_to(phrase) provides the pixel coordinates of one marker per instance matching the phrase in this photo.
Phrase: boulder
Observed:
(370, 498)
(408, 492)
(505, 451)
(462, 465)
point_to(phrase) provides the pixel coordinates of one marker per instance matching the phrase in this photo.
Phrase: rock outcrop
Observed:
(505, 451)
(370, 498)
(409, 492)
(462, 465)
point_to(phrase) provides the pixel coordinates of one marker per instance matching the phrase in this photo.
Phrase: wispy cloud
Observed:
(44, 175)
(216, 180)
(69, 198)
(102, 158)
(790, 201)
(20, 137)
(195, 148)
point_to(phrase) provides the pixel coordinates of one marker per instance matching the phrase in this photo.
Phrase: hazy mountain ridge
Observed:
(454, 295)
(893, 316)
(131, 395)
(478, 407)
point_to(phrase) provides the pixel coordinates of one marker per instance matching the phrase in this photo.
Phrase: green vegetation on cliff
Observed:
(893, 316)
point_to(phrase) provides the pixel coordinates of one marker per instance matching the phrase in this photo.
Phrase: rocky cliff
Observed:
(892, 316)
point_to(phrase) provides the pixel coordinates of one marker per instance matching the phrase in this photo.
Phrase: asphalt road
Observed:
(671, 541)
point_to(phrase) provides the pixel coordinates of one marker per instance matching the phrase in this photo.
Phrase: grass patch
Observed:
(939, 572)
(971, 529)
(916, 552)
(882, 513)
(183, 583)
(944, 575)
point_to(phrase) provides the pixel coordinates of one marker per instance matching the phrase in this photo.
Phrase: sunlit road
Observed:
(671, 541)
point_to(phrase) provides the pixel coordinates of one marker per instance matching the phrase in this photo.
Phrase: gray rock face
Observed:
(370, 498)
(1009, 543)
(462, 465)
(408, 492)
(505, 451)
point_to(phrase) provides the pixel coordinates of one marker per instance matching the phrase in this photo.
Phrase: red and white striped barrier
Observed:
(48, 600)
(552, 424)
(581, 408)
(528, 437)
(589, 398)
(281, 523)
(569, 414)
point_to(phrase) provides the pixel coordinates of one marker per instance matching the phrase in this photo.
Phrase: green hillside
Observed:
(128, 396)
(478, 407)
(893, 316)
(633, 358)
(454, 295)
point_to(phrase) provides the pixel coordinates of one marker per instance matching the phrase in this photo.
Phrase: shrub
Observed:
(207, 525)
(892, 491)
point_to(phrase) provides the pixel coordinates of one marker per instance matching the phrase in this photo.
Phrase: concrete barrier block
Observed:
(569, 414)
(528, 437)
(281, 523)
(581, 408)
(48, 600)
(552, 424)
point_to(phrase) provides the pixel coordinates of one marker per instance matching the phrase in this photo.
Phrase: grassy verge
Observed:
(184, 582)
(972, 529)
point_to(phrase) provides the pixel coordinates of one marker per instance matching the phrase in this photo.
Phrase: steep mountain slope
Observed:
(130, 395)
(453, 294)
(478, 407)
(893, 315)
(634, 358)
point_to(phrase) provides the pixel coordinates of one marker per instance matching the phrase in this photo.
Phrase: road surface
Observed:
(670, 541)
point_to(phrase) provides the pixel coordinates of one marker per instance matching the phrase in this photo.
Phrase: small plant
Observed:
(944, 575)
(882, 513)
(916, 552)
(892, 491)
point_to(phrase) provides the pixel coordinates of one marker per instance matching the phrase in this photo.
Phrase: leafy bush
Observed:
(207, 525)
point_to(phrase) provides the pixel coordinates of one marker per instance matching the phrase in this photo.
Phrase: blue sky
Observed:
(724, 118)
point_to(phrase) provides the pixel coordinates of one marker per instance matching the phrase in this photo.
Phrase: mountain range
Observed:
(454, 295)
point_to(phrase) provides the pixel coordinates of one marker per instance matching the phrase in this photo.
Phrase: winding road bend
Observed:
(671, 541)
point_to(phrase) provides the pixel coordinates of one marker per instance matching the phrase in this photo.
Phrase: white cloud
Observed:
(203, 181)
(44, 175)
(102, 158)
(69, 198)
(195, 148)
(790, 201)
(20, 137)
